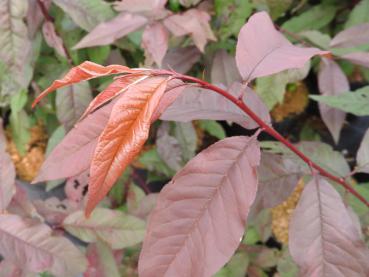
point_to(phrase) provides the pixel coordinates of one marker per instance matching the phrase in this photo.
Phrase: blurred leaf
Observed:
(319, 39)
(278, 8)
(20, 124)
(362, 156)
(115, 228)
(285, 266)
(152, 162)
(313, 19)
(272, 88)
(99, 54)
(359, 14)
(356, 102)
(101, 261)
(236, 267)
(187, 139)
(224, 69)
(360, 209)
(168, 147)
(252, 236)
(232, 15)
(213, 128)
(86, 13)
(7, 173)
(36, 249)
(71, 102)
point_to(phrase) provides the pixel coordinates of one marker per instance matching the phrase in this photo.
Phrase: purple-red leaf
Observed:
(201, 214)
(278, 178)
(151, 8)
(262, 50)
(155, 41)
(323, 239)
(352, 37)
(193, 22)
(332, 81)
(359, 58)
(31, 246)
(74, 154)
(52, 39)
(362, 156)
(71, 102)
(7, 173)
(181, 59)
(224, 70)
(85, 71)
(108, 32)
(123, 137)
(197, 103)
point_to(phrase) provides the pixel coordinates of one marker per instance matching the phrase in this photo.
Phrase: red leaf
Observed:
(123, 136)
(109, 31)
(262, 50)
(85, 71)
(360, 58)
(201, 214)
(352, 37)
(74, 154)
(323, 239)
(197, 103)
(32, 247)
(194, 22)
(224, 70)
(7, 173)
(118, 86)
(52, 39)
(181, 59)
(332, 81)
(155, 41)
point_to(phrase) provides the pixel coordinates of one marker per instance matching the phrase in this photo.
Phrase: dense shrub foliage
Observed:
(184, 138)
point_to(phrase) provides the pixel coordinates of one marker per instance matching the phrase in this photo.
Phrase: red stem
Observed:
(268, 129)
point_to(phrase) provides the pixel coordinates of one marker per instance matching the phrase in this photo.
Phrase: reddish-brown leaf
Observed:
(262, 50)
(201, 214)
(155, 41)
(323, 239)
(123, 136)
(332, 81)
(73, 155)
(118, 86)
(85, 71)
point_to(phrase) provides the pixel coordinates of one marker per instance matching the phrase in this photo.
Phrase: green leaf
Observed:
(272, 88)
(115, 228)
(152, 162)
(356, 102)
(232, 15)
(278, 8)
(251, 236)
(319, 39)
(359, 208)
(314, 18)
(359, 14)
(213, 128)
(187, 138)
(98, 54)
(86, 13)
(236, 267)
(286, 267)
(18, 101)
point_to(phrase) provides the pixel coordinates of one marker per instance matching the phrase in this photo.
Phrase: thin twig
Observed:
(50, 19)
(268, 129)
